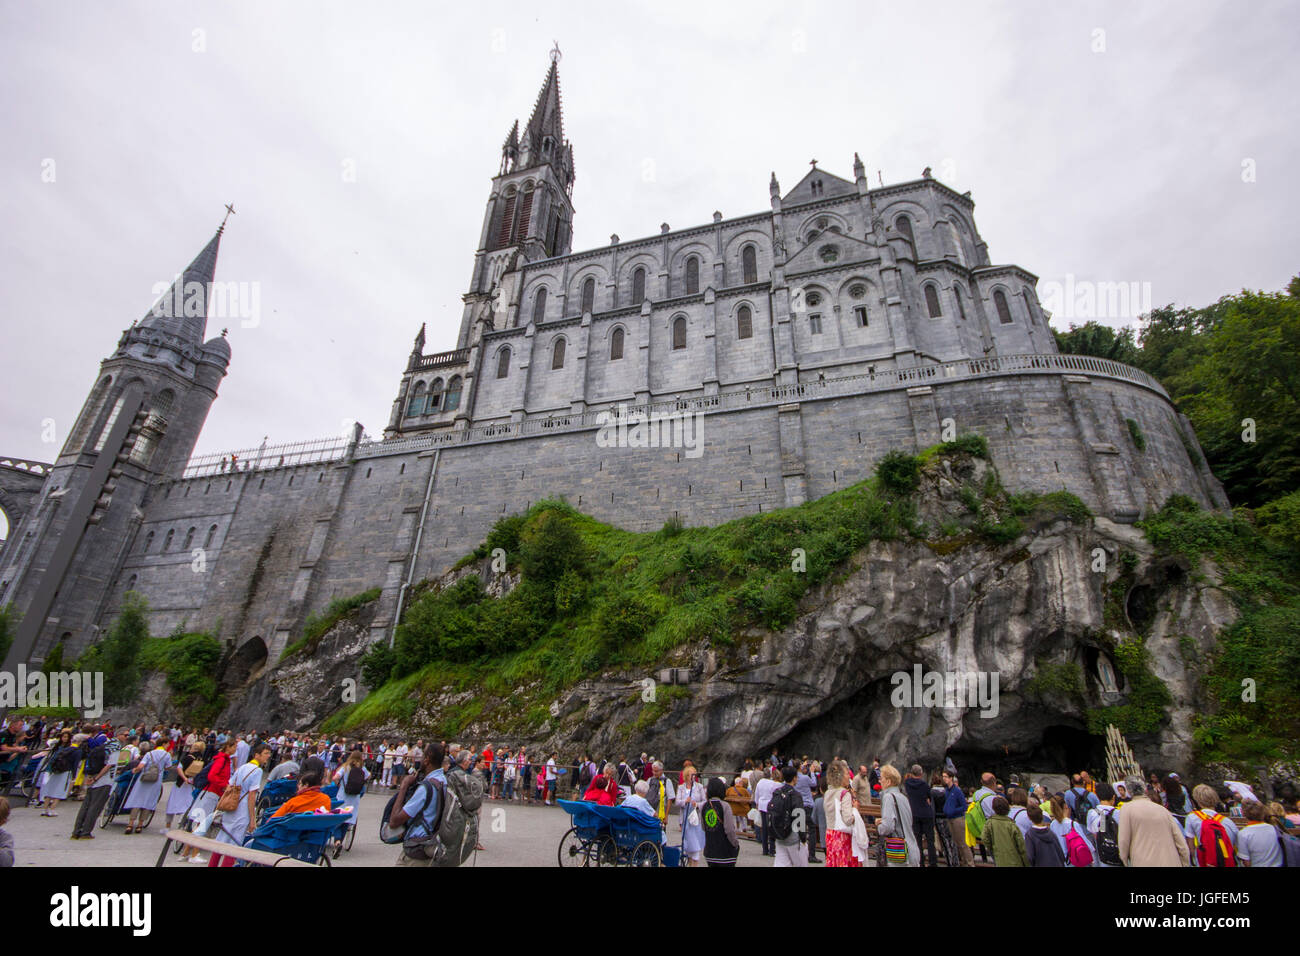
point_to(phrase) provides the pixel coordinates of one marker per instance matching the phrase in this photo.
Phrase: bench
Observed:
(260, 857)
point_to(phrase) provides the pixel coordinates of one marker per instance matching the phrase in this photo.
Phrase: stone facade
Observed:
(805, 342)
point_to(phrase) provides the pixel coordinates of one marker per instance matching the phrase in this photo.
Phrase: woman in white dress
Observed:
(182, 795)
(55, 786)
(691, 797)
(346, 779)
(148, 785)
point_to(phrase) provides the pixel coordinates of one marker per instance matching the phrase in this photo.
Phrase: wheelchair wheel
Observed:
(604, 852)
(147, 819)
(323, 859)
(110, 811)
(573, 849)
(188, 826)
(352, 835)
(646, 853)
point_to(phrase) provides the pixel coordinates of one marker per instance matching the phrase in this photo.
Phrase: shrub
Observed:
(1280, 518)
(1135, 432)
(969, 444)
(899, 473)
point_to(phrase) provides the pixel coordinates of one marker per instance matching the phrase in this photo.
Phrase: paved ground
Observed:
(513, 834)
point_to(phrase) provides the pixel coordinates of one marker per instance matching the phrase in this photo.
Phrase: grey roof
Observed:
(183, 309)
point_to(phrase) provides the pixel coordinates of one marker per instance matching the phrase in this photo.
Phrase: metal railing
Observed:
(264, 457)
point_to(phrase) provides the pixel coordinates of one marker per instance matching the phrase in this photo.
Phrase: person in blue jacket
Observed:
(954, 812)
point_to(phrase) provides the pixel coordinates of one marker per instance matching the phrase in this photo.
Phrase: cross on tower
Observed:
(230, 211)
(813, 163)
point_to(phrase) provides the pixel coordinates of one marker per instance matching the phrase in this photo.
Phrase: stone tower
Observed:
(529, 213)
(139, 423)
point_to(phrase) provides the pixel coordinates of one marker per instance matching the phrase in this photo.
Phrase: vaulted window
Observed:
(860, 313)
(589, 295)
(1000, 303)
(679, 332)
(415, 407)
(616, 345)
(506, 228)
(557, 353)
(961, 306)
(434, 401)
(638, 286)
(189, 538)
(744, 323)
(148, 542)
(692, 275)
(904, 227)
(452, 399)
(503, 363)
(212, 533)
(749, 264)
(539, 306)
(815, 323)
(167, 542)
(932, 301)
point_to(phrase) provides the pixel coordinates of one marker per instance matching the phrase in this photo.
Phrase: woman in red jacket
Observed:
(219, 772)
(604, 788)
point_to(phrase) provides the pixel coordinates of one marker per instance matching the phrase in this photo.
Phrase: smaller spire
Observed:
(774, 187)
(419, 340)
(859, 170)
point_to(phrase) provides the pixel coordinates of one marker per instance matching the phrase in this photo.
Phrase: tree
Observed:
(118, 654)
(8, 627)
(1093, 338)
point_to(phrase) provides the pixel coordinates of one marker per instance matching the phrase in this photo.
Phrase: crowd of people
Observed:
(793, 809)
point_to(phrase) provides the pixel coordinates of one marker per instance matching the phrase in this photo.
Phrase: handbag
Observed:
(895, 847)
(230, 797)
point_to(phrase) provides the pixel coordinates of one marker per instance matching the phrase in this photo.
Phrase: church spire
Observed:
(183, 309)
(541, 141)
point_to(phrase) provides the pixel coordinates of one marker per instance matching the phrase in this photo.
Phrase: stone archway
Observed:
(245, 663)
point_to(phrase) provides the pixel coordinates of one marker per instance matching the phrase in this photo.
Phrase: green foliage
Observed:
(1055, 681)
(377, 664)
(190, 663)
(9, 618)
(969, 444)
(899, 473)
(672, 527)
(53, 660)
(1066, 504)
(653, 711)
(1093, 338)
(318, 625)
(1135, 433)
(1280, 519)
(118, 654)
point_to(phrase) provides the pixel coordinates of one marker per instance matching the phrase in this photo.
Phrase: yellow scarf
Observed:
(662, 812)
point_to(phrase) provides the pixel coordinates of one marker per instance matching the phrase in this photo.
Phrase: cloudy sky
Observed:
(1154, 143)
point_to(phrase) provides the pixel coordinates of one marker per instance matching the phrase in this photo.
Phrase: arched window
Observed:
(961, 306)
(749, 264)
(744, 323)
(503, 363)
(638, 285)
(1029, 305)
(539, 306)
(167, 542)
(434, 401)
(88, 415)
(452, 400)
(616, 345)
(932, 301)
(148, 542)
(162, 403)
(189, 539)
(212, 533)
(415, 407)
(679, 332)
(557, 353)
(692, 275)
(1000, 303)
(589, 295)
(507, 219)
(904, 227)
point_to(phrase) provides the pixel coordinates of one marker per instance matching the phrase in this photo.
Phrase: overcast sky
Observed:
(1105, 141)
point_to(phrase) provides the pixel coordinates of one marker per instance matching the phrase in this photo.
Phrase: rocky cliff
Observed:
(1026, 638)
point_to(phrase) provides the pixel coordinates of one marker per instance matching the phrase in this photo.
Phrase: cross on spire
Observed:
(813, 163)
(555, 52)
(230, 211)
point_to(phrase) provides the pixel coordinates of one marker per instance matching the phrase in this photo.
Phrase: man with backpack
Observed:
(419, 807)
(1079, 799)
(1103, 826)
(1211, 836)
(788, 821)
(98, 781)
(979, 810)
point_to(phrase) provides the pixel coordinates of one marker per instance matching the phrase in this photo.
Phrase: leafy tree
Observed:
(118, 654)
(1093, 338)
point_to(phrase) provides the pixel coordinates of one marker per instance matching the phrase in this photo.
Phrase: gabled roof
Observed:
(832, 186)
(183, 309)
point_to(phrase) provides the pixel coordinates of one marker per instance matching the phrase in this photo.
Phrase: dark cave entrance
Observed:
(245, 662)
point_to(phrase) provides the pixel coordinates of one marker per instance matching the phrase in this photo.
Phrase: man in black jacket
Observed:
(918, 795)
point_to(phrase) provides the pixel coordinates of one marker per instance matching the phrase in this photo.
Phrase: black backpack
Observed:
(64, 760)
(1108, 839)
(95, 759)
(781, 811)
(354, 782)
